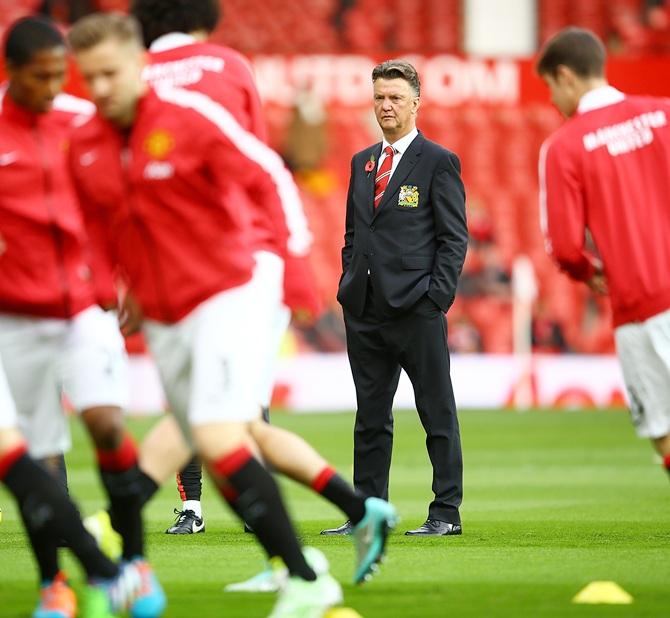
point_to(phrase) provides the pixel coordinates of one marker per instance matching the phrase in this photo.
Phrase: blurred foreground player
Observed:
(54, 338)
(606, 172)
(166, 174)
(49, 515)
(179, 55)
(174, 31)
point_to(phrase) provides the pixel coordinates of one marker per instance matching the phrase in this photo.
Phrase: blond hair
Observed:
(93, 29)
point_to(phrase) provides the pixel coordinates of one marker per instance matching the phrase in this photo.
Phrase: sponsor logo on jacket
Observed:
(158, 170)
(184, 72)
(626, 136)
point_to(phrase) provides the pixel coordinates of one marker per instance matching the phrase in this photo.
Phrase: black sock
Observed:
(148, 487)
(336, 490)
(59, 470)
(189, 481)
(256, 497)
(45, 547)
(49, 514)
(121, 477)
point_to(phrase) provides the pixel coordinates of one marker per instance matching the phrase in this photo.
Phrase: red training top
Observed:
(43, 262)
(607, 170)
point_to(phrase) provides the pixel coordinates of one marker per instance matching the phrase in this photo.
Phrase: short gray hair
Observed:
(394, 69)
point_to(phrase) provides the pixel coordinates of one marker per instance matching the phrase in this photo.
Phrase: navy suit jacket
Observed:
(414, 242)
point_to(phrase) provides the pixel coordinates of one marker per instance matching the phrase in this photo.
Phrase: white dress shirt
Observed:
(399, 148)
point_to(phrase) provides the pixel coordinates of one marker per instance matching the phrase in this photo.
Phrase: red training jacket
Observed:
(607, 169)
(225, 76)
(43, 266)
(164, 201)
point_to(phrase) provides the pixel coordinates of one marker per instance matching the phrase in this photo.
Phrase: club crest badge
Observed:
(409, 196)
(159, 144)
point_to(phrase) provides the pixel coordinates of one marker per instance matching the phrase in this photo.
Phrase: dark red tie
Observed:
(383, 175)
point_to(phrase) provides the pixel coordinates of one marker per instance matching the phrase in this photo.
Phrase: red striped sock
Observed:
(335, 489)
(228, 465)
(322, 479)
(121, 458)
(180, 488)
(10, 458)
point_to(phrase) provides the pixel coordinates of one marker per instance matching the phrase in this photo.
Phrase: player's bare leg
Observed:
(226, 450)
(662, 446)
(164, 451)
(117, 459)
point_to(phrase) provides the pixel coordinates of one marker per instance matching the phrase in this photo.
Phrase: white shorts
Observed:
(644, 353)
(83, 358)
(7, 408)
(210, 361)
(276, 319)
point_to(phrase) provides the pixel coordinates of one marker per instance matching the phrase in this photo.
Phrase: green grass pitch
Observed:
(553, 501)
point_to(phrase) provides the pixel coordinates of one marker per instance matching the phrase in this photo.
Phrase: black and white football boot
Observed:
(186, 522)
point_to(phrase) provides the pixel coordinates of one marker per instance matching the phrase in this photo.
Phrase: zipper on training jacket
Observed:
(56, 233)
(149, 245)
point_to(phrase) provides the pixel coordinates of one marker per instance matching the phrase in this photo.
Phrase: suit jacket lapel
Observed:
(407, 163)
(370, 180)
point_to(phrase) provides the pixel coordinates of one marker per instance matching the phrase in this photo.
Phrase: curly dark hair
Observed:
(29, 35)
(159, 17)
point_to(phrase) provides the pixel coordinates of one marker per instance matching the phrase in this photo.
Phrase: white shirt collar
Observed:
(599, 97)
(403, 143)
(170, 41)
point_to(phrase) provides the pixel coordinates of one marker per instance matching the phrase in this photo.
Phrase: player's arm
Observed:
(562, 215)
(98, 246)
(238, 156)
(257, 124)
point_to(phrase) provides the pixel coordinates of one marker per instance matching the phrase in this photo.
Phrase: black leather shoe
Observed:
(435, 527)
(345, 528)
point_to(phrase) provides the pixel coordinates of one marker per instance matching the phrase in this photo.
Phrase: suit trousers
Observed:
(378, 347)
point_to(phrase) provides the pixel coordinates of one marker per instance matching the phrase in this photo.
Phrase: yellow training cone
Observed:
(603, 592)
(342, 612)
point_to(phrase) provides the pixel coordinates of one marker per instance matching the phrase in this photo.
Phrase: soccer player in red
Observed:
(176, 31)
(179, 56)
(54, 337)
(606, 173)
(165, 169)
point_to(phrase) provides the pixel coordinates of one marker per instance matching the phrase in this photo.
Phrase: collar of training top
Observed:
(171, 40)
(600, 97)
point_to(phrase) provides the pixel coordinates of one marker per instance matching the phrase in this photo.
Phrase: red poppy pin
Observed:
(370, 165)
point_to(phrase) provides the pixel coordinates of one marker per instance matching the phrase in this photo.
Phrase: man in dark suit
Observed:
(404, 246)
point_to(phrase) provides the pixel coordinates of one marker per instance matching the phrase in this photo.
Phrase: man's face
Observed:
(112, 71)
(395, 106)
(34, 85)
(563, 92)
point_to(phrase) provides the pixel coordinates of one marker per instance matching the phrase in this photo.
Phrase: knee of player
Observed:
(105, 426)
